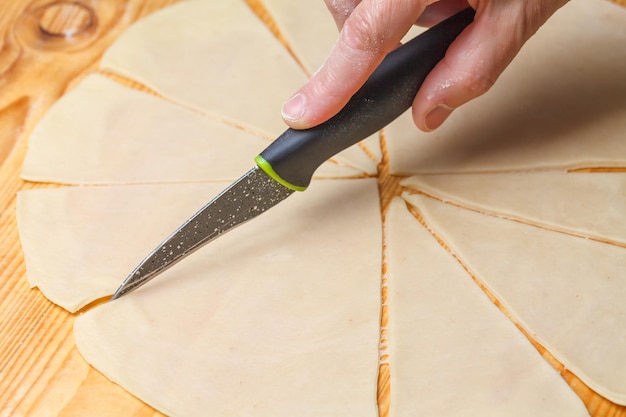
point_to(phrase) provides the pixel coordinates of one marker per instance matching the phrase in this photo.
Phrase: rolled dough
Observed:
(100, 233)
(264, 321)
(224, 50)
(438, 315)
(287, 321)
(201, 52)
(585, 204)
(568, 292)
(126, 136)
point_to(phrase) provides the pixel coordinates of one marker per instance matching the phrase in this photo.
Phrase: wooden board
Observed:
(46, 47)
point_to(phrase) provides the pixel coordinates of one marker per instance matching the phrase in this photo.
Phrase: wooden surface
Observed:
(45, 47)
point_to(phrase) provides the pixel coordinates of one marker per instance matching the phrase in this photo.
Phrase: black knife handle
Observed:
(295, 155)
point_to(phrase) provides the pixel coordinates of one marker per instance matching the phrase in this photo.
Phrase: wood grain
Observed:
(47, 46)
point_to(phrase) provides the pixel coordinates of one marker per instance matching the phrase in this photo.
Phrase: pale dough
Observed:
(560, 104)
(438, 315)
(248, 82)
(97, 235)
(266, 320)
(290, 302)
(585, 204)
(309, 30)
(224, 62)
(216, 56)
(126, 136)
(568, 292)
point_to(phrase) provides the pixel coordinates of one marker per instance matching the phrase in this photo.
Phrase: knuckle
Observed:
(340, 8)
(360, 33)
(327, 84)
(477, 83)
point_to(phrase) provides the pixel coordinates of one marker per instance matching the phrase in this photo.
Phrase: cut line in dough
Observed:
(247, 326)
(257, 113)
(123, 134)
(591, 205)
(566, 291)
(437, 316)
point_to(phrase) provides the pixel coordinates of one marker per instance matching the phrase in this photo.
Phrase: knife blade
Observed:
(288, 164)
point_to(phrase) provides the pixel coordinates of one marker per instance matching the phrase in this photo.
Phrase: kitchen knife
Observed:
(288, 163)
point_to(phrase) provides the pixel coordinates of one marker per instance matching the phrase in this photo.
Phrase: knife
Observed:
(287, 164)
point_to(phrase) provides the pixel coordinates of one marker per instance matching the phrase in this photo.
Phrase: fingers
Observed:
(439, 11)
(341, 10)
(478, 56)
(373, 28)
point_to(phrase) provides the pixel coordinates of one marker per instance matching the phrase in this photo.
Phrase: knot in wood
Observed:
(57, 25)
(65, 19)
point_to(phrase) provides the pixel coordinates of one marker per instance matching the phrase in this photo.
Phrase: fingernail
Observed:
(294, 108)
(436, 116)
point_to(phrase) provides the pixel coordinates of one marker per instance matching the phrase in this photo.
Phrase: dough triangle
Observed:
(89, 226)
(567, 292)
(97, 235)
(224, 61)
(585, 204)
(309, 31)
(451, 351)
(257, 323)
(126, 136)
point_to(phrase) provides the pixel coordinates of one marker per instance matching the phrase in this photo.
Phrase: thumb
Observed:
(374, 28)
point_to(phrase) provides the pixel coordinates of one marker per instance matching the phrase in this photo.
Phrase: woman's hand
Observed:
(369, 29)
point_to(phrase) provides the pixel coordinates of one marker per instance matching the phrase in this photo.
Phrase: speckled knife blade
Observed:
(289, 162)
(246, 198)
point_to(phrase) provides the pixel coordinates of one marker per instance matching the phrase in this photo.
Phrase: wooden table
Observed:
(46, 46)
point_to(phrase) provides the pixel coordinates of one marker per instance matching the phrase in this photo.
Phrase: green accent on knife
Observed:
(269, 170)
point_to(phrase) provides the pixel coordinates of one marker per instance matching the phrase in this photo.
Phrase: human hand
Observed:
(369, 29)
